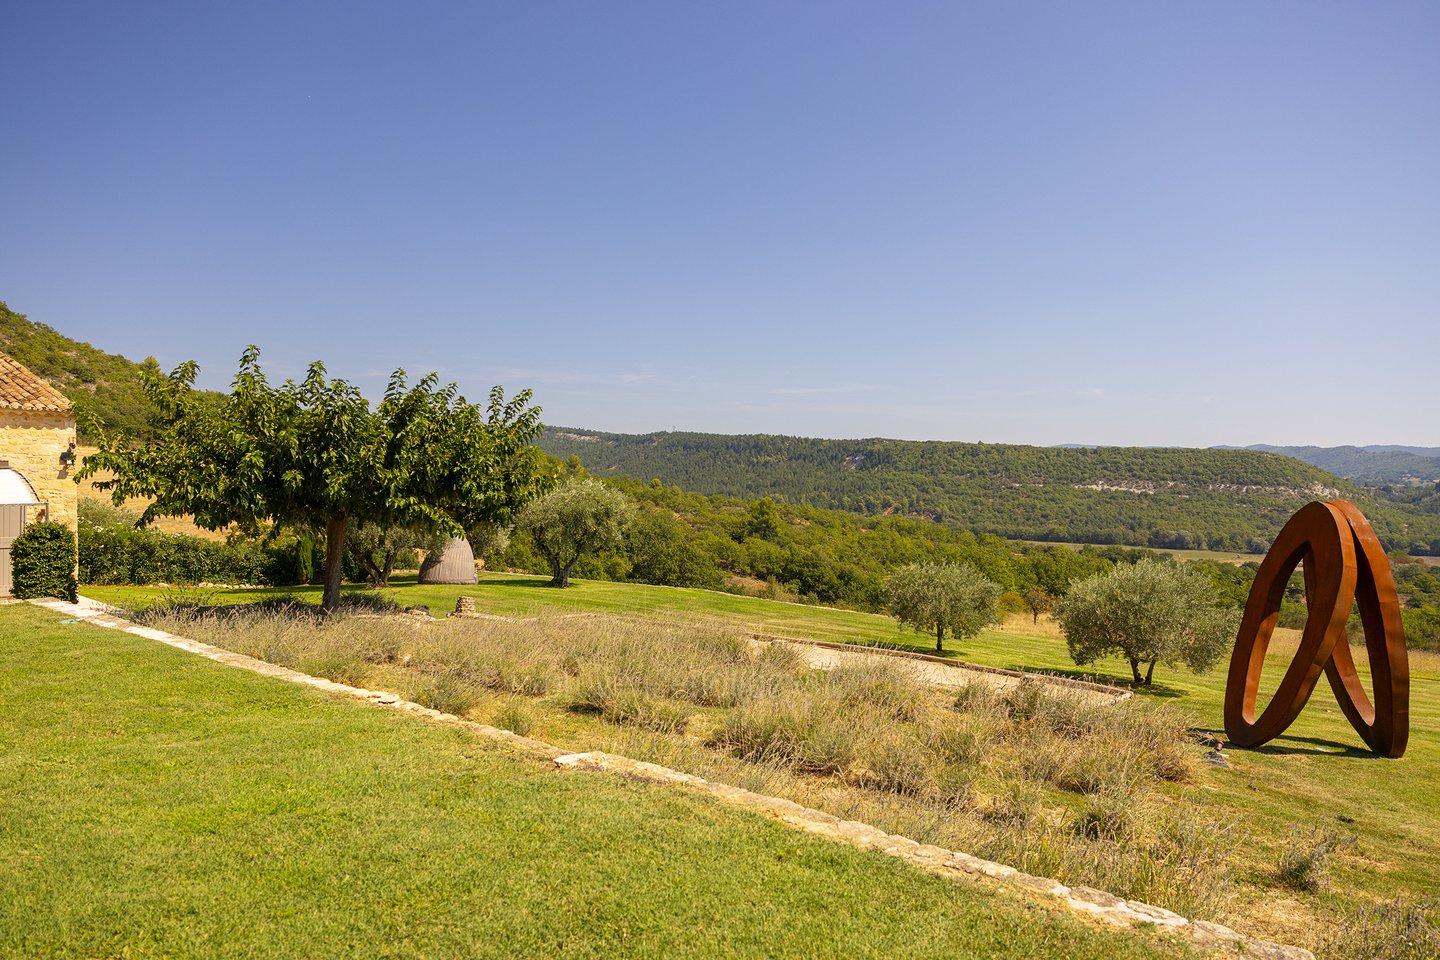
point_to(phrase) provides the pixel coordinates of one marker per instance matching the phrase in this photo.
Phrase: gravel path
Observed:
(946, 675)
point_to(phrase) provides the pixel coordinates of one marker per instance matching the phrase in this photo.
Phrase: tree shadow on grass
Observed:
(1158, 690)
(537, 583)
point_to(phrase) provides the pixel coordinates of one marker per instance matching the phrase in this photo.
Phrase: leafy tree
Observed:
(1422, 628)
(312, 456)
(488, 539)
(764, 520)
(1150, 611)
(941, 598)
(660, 553)
(577, 517)
(374, 548)
(1037, 601)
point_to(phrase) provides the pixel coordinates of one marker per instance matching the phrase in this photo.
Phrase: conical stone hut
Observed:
(455, 563)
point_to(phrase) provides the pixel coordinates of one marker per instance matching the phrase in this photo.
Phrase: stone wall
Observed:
(32, 444)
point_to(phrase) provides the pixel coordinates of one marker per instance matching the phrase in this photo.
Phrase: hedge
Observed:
(122, 554)
(42, 562)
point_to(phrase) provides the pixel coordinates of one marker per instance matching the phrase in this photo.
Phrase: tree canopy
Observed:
(940, 597)
(579, 516)
(1148, 612)
(312, 455)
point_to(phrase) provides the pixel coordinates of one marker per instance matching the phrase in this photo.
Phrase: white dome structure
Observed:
(14, 488)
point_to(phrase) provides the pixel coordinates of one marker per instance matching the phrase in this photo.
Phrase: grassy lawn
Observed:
(156, 804)
(519, 595)
(1310, 779)
(1224, 556)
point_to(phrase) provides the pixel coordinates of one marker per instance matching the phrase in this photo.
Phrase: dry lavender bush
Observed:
(1053, 782)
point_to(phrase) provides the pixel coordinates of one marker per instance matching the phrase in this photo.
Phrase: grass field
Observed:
(157, 804)
(1223, 556)
(1310, 779)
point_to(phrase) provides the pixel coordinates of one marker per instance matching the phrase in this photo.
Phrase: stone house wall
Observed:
(31, 442)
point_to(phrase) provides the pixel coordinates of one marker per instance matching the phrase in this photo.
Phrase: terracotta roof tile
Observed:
(22, 390)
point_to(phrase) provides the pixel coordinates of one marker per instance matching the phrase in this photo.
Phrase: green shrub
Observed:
(121, 554)
(515, 717)
(1422, 628)
(618, 701)
(1025, 700)
(448, 694)
(805, 734)
(1108, 815)
(1305, 859)
(42, 562)
(1391, 930)
(901, 764)
(878, 685)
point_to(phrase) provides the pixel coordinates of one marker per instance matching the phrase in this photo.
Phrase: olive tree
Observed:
(579, 516)
(1149, 612)
(373, 548)
(943, 598)
(313, 456)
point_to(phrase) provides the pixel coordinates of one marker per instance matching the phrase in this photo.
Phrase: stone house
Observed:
(37, 457)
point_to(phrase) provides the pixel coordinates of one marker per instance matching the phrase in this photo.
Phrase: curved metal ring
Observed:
(1343, 562)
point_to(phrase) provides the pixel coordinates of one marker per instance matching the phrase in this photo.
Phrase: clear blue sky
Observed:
(1150, 223)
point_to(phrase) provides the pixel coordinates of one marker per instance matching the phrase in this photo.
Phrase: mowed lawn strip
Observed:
(157, 804)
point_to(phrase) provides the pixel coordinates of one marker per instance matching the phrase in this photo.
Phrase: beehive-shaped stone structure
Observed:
(453, 564)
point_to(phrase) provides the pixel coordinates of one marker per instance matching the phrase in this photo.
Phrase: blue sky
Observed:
(1148, 223)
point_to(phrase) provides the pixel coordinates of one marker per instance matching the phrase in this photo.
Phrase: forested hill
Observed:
(100, 384)
(1171, 498)
(1369, 465)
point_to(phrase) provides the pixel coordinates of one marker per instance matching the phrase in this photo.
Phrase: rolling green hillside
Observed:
(1167, 498)
(1368, 465)
(1175, 498)
(103, 385)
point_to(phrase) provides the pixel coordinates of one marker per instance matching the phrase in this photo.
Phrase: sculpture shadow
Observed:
(1289, 745)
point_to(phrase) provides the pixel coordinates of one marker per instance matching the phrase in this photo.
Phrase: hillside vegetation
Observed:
(1368, 465)
(1219, 499)
(102, 385)
(1168, 498)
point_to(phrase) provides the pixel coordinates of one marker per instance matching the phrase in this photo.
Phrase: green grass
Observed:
(518, 595)
(1224, 556)
(157, 804)
(1315, 774)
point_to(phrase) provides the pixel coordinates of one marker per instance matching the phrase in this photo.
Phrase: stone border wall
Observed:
(1084, 901)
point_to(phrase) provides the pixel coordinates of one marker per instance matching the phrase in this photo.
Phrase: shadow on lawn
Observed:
(1157, 690)
(1282, 746)
(1288, 745)
(509, 582)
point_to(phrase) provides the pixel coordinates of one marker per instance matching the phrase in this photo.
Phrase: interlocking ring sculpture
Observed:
(1344, 565)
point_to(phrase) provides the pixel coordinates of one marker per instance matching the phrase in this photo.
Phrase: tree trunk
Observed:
(390, 556)
(334, 554)
(1035, 617)
(565, 574)
(1150, 673)
(939, 639)
(1135, 671)
(557, 579)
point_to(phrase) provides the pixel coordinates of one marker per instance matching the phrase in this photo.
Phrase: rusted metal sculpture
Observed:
(1344, 566)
